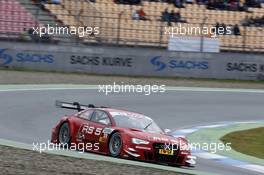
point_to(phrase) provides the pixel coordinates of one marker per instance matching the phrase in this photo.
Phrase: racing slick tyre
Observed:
(115, 144)
(64, 135)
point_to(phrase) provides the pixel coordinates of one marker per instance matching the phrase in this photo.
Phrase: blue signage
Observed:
(174, 63)
(6, 59)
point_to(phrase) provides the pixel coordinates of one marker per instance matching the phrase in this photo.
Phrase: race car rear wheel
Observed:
(115, 144)
(64, 134)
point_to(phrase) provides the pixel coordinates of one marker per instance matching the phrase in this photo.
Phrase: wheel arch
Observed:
(109, 137)
(71, 128)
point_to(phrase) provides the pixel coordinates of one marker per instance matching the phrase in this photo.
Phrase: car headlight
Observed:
(139, 141)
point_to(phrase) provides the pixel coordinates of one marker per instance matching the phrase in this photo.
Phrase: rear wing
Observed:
(75, 105)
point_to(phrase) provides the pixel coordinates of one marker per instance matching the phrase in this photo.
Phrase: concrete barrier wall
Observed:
(132, 61)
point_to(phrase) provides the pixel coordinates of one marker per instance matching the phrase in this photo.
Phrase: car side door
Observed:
(83, 125)
(99, 121)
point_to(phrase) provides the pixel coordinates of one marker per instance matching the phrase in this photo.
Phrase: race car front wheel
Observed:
(64, 134)
(115, 144)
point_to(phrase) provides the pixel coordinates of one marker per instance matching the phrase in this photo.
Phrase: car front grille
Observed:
(163, 158)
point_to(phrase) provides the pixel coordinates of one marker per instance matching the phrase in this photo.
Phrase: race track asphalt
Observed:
(28, 116)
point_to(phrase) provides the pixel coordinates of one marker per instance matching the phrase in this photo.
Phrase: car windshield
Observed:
(133, 121)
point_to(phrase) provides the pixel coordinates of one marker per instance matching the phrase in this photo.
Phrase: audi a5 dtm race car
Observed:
(120, 133)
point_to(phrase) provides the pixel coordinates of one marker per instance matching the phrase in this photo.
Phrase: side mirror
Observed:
(167, 130)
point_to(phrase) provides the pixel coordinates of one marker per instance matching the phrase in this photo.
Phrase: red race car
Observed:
(120, 133)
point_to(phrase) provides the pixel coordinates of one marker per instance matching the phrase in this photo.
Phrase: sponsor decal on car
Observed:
(103, 139)
(108, 130)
